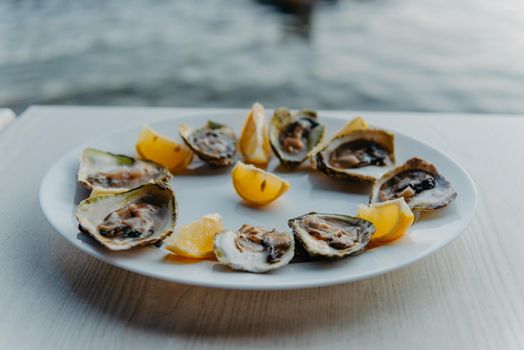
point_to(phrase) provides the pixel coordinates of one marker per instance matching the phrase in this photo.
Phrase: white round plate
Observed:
(204, 190)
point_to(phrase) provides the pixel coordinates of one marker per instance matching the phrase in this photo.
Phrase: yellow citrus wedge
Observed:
(167, 152)
(257, 186)
(392, 219)
(195, 240)
(357, 123)
(254, 139)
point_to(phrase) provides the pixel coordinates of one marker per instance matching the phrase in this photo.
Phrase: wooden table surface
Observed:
(469, 295)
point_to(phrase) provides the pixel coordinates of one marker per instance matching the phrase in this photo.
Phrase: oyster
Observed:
(214, 143)
(105, 172)
(419, 182)
(363, 154)
(294, 135)
(332, 235)
(254, 249)
(141, 216)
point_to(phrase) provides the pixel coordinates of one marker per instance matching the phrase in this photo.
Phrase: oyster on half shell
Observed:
(254, 248)
(214, 143)
(294, 135)
(332, 235)
(105, 172)
(363, 154)
(419, 182)
(141, 216)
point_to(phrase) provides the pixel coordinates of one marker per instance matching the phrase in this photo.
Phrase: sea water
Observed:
(422, 55)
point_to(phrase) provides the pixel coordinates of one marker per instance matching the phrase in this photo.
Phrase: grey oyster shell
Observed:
(294, 135)
(214, 143)
(141, 216)
(254, 248)
(419, 182)
(362, 155)
(105, 172)
(332, 235)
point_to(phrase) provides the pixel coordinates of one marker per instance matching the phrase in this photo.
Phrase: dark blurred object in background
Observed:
(434, 55)
(299, 11)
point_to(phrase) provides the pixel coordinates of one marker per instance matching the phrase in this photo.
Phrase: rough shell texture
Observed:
(282, 119)
(320, 157)
(97, 167)
(228, 252)
(93, 211)
(430, 199)
(358, 230)
(214, 143)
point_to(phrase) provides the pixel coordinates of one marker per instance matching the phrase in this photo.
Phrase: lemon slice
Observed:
(195, 240)
(357, 123)
(392, 219)
(257, 186)
(254, 139)
(165, 151)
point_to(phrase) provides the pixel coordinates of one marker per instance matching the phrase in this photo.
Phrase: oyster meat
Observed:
(141, 216)
(214, 143)
(332, 235)
(419, 182)
(105, 172)
(294, 135)
(363, 154)
(254, 248)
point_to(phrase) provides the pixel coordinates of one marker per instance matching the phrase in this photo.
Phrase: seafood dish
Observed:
(132, 203)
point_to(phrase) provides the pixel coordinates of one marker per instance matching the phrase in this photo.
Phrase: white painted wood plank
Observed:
(7, 116)
(468, 295)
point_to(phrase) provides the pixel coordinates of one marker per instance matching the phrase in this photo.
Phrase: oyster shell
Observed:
(332, 235)
(294, 135)
(419, 182)
(141, 216)
(105, 172)
(363, 154)
(214, 143)
(254, 249)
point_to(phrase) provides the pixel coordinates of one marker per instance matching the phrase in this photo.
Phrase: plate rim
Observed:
(240, 286)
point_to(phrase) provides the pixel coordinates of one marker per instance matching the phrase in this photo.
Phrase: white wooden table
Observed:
(7, 116)
(470, 295)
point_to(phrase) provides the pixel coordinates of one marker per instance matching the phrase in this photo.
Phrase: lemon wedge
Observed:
(357, 123)
(254, 140)
(165, 151)
(195, 240)
(257, 186)
(392, 219)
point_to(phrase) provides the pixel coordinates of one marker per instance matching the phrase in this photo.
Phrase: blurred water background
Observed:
(421, 55)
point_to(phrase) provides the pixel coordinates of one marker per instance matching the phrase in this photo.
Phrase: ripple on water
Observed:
(436, 55)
